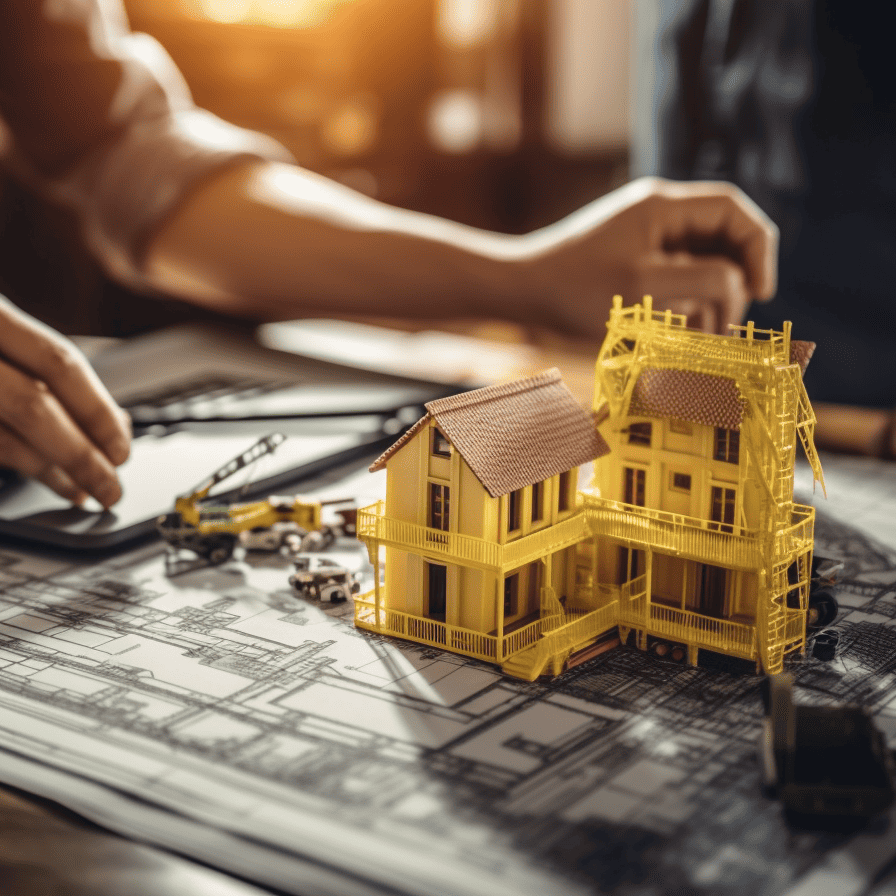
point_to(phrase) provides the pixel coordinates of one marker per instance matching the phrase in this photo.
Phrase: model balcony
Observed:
(524, 653)
(706, 541)
(374, 528)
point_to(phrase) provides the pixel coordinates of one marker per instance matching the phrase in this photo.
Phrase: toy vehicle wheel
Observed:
(822, 608)
(220, 549)
(334, 593)
(313, 541)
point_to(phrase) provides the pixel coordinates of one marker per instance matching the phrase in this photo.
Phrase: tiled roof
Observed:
(688, 395)
(801, 352)
(698, 397)
(514, 434)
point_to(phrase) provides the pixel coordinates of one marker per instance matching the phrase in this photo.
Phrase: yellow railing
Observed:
(546, 541)
(374, 525)
(590, 625)
(632, 611)
(799, 536)
(440, 634)
(673, 533)
(795, 627)
(524, 637)
(634, 321)
(424, 631)
(703, 631)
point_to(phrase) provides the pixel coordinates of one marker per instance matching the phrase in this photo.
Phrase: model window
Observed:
(439, 501)
(563, 491)
(537, 502)
(727, 445)
(639, 433)
(681, 482)
(441, 447)
(722, 508)
(514, 501)
(633, 486)
(681, 427)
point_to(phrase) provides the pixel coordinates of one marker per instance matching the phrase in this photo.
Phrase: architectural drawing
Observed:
(224, 698)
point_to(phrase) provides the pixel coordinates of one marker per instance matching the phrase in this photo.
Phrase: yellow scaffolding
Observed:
(772, 547)
(778, 410)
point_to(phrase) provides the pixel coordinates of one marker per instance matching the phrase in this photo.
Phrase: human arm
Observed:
(273, 241)
(173, 199)
(58, 423)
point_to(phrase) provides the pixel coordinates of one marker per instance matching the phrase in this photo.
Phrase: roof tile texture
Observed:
(698, 397)
(514, 434)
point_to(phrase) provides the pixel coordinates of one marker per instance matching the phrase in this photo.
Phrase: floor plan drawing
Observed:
(223, 698)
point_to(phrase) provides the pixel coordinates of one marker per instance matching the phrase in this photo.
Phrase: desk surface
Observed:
(47, 850)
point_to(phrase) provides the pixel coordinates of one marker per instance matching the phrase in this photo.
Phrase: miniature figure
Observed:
(694, 542)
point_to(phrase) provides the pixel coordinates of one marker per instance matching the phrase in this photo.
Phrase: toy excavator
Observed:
(212, 531)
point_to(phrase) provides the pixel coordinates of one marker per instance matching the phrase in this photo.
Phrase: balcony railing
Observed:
(558, 629)
(674, 533)
(424, 631)
(374, 525)
(703, 631)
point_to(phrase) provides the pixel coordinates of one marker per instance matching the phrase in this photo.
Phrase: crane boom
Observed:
(266, 445)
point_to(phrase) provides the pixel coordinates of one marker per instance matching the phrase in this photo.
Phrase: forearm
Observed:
(273, 241)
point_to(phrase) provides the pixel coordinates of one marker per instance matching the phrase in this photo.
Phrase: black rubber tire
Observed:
(219, 549)
(823, 608)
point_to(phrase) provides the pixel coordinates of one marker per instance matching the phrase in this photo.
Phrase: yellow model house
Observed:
(696, 526)
(480, 525)
(693, 543)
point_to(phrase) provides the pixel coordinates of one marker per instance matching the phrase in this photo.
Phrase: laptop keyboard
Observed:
(203, 398)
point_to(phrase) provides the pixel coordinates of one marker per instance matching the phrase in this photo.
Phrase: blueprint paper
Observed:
(264, 734)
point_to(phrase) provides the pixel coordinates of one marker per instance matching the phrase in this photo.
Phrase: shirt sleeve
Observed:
(100, 119)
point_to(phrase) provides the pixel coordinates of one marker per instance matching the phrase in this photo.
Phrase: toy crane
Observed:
(212, 531)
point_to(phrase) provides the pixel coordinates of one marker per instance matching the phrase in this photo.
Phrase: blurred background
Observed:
(504, 114)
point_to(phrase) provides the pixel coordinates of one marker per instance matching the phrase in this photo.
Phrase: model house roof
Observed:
(514, 434)
(698, 397)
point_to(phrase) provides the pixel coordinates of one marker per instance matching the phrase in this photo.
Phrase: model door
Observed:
(713, 584)
(437, 591)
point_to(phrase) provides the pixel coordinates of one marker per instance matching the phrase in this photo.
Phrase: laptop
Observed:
(201, 395)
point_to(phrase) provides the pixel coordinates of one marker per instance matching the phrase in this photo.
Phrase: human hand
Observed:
(58, 423)
(702, 249)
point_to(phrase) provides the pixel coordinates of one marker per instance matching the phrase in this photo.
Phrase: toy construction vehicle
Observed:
(212, 531)
(827, 765)
(324, 580)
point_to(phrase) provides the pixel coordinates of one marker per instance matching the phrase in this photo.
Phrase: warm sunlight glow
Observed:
(455, 121)
(228, 11)
(273, 13)
(351, 130)
(467, 23)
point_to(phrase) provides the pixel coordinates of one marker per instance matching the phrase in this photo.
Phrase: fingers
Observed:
(35, 416)
(710, 218)
(58, 424)
(710, 292)
(37, 350)
(16, 454)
